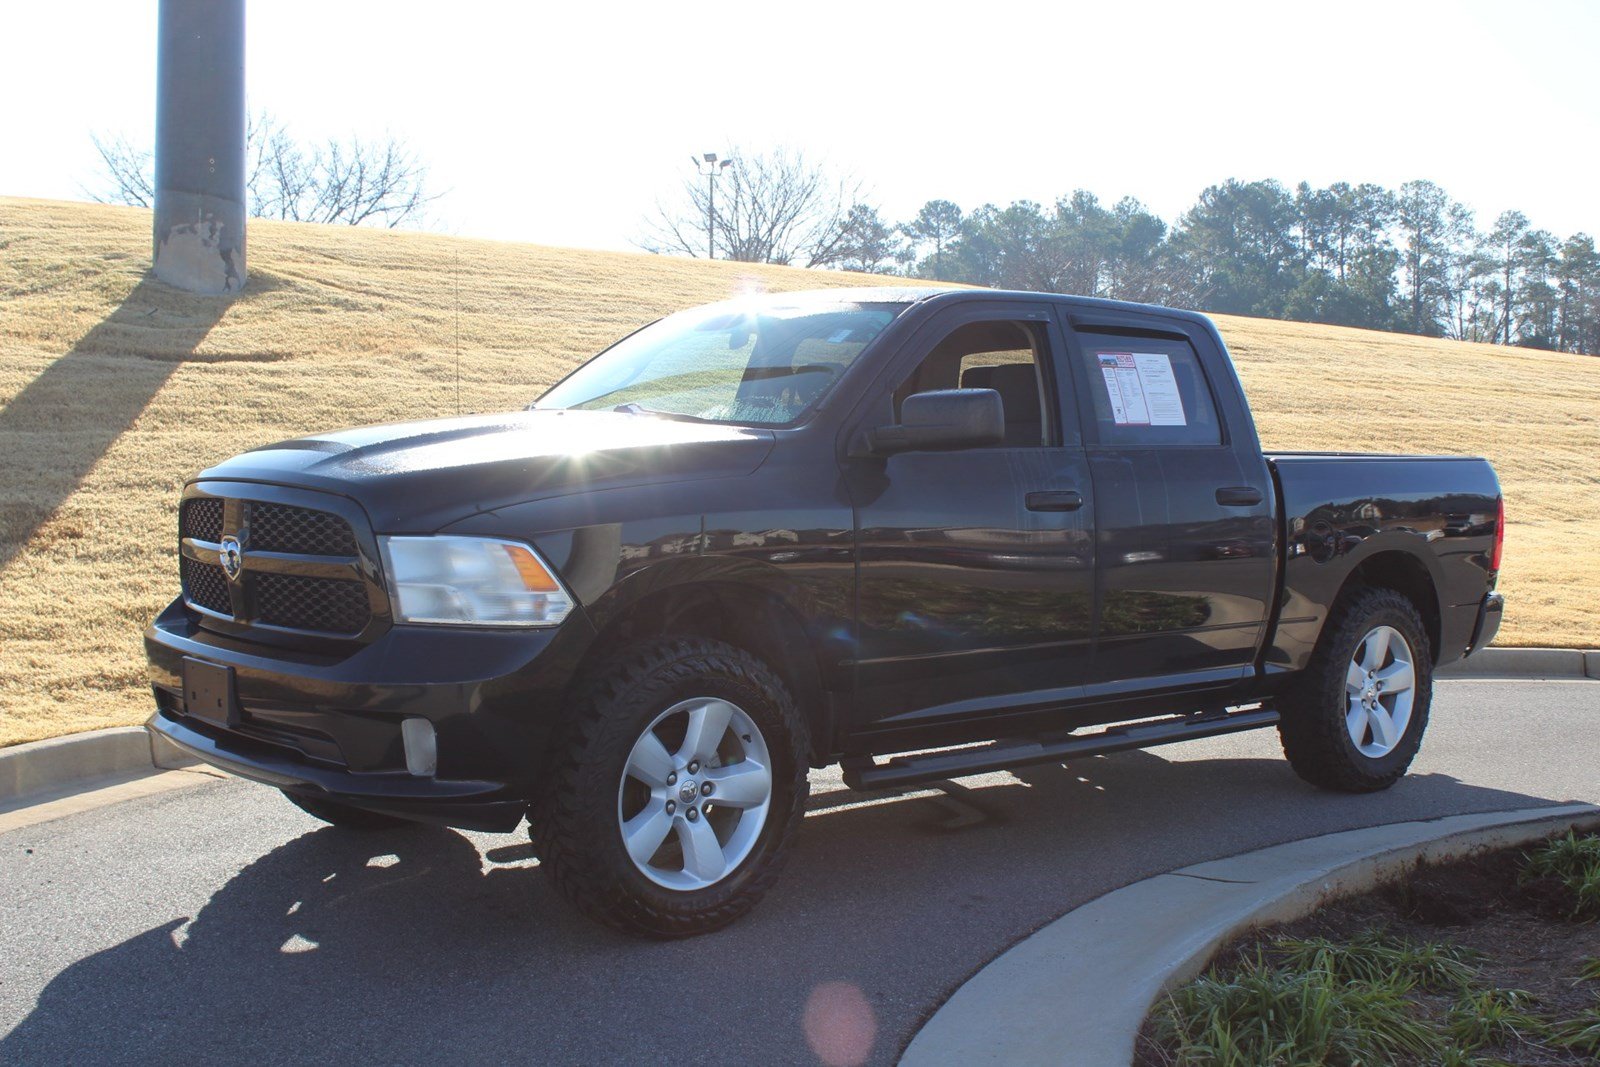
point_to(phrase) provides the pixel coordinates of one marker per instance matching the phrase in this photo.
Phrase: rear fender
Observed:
(1312, 586)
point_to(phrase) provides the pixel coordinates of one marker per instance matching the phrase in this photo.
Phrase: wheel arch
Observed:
(1406, 574)
(756, 618)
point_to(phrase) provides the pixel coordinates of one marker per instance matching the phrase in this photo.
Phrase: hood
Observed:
(418, 476)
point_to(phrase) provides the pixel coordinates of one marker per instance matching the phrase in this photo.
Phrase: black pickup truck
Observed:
(919, 533)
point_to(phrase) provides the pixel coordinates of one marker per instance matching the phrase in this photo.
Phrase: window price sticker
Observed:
(1142, 389)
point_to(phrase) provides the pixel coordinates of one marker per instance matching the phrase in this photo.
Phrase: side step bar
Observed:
(865, 773)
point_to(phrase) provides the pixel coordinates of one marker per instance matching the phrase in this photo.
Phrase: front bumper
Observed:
(329, 724)
(1488, 624)
(472, 805)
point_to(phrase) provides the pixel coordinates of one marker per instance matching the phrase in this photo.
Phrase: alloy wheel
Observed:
(1380, 688)
(695, 793)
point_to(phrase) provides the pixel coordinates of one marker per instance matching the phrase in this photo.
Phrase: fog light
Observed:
(422, 747)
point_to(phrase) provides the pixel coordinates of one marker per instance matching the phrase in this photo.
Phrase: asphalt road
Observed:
(219, 923)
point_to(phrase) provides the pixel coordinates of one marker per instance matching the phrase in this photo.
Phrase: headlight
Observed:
(472, 581)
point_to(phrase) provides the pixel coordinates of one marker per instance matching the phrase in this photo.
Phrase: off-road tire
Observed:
(345, 816)
(1312, 727)
(573, 819)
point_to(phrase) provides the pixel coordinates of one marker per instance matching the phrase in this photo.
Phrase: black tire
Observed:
(574, 821)
(345, 816)
(1313, 729)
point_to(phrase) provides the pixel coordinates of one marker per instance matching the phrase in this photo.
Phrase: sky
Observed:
(564, 124)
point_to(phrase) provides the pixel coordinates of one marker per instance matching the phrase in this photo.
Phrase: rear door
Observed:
(1185, 534)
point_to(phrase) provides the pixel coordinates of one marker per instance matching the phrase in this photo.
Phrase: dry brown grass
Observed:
(1536, 415)
(114, 389)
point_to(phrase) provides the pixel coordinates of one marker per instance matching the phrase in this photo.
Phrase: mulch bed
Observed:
(1523, 929)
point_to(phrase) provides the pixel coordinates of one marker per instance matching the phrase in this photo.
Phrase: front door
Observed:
(976, 566)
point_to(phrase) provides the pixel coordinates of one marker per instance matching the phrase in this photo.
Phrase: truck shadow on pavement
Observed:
(415, 944)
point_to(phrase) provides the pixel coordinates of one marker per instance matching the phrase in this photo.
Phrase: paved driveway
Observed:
(218, 922)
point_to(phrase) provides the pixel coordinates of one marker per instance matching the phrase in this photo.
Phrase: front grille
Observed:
(204, 585)
(269, 595)
(282, 528)
(321, 604)
(201, 519)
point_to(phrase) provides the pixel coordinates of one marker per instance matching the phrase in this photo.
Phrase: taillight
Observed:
(1499, 537)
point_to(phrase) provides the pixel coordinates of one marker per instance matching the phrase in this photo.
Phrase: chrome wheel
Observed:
(1380, 688)
(694, 794)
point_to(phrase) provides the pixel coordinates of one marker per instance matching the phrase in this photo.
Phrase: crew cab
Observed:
(921, 533)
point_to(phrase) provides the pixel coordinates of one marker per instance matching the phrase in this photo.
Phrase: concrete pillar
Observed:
(200, 150)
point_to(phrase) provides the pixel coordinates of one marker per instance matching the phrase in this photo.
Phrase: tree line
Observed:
(1411, 259)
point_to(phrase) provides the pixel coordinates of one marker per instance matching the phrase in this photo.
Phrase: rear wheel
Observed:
(680, 786)
(344, 815)
(1355, 718)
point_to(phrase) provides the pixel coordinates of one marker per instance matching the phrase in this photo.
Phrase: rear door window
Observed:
(1147, 391)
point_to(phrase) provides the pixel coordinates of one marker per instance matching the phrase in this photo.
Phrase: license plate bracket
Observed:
(209, 692)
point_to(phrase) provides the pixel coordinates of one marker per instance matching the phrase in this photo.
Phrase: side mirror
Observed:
(943, 419)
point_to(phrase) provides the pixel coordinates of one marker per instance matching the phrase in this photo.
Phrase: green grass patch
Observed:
(1261, 1012)
(1310, 1002)
(1376, 957)
(1375, 993)
(1575, 862)
(1581, 1033)
(1494, 1016)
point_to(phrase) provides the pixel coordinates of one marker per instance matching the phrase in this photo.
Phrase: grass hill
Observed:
(114, 388)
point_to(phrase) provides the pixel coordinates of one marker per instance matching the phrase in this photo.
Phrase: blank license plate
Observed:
(209, 693)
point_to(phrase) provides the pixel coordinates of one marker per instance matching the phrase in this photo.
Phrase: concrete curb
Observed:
(1526, 663)
(81, 760)
(1077, 991)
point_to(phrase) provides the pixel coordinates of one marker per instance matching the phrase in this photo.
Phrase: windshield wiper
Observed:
(631, 408)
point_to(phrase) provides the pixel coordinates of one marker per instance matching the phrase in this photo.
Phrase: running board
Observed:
(865, 773)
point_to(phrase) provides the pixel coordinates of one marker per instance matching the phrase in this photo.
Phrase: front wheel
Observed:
(1354, 719)
(682, 780)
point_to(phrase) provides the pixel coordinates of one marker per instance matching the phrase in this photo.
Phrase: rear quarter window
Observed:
(1148, 391)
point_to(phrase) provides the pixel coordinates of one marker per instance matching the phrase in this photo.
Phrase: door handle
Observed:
(1239, 496)
(1067, 500)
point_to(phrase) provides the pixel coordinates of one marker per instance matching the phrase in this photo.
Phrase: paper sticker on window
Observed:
(1142, 389)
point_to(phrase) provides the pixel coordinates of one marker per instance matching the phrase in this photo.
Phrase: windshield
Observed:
(753, 364)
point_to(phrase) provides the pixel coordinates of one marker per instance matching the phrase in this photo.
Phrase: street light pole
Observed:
(710, 166)
(198, 239)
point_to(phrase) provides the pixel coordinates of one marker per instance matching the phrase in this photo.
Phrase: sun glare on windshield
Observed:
(750, 363)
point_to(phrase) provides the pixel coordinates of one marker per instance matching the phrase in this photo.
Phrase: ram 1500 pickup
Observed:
(919, 533)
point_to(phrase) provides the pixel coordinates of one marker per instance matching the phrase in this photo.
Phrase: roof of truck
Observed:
(907, 294)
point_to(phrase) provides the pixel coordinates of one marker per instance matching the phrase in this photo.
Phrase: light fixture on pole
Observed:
(710, 166)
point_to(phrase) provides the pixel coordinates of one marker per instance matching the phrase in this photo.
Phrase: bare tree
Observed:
(352, 182)
(129, 176)
(771, 207)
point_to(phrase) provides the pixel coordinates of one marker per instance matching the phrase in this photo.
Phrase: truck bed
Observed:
(1411, 517)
